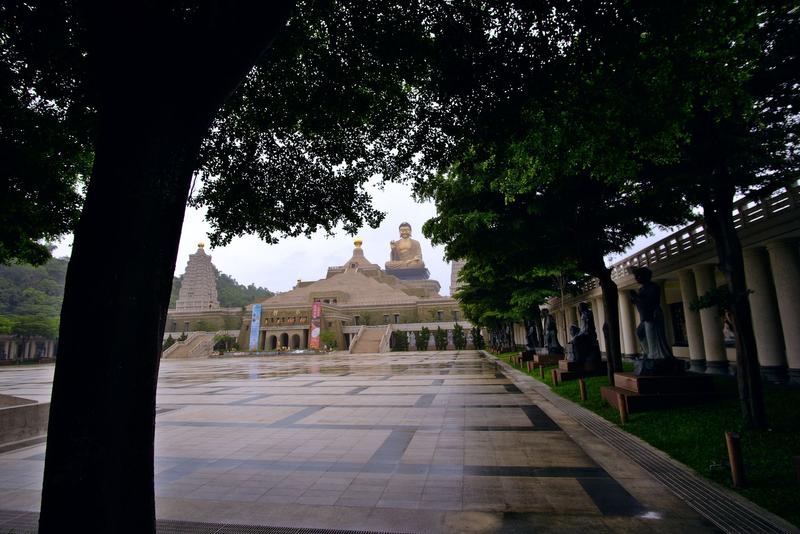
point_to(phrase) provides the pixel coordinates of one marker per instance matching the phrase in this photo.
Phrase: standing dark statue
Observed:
(657, 355)
(585, 347)
(551, 334)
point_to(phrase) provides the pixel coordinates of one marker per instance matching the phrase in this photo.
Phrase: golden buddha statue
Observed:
(405, 252)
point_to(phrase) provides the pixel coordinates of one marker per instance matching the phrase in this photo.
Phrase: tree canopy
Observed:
(30, 298)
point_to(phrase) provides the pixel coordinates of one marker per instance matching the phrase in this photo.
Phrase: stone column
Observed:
(666, 313)
(628, 343)
(713, 342)
(694, 330)
(572, 318)
(598, 310)
(562, 336)
(766, 319)
(7, 348)
(785, 262)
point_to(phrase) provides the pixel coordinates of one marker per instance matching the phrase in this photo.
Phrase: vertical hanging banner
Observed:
(255, 326)
(316, 325)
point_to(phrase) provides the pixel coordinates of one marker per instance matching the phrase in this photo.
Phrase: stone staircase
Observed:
(197, 345)
(369, 341)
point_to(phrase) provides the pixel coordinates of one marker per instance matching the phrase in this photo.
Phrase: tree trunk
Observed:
(99, 461)
(595, 265)
(718, 218)
(611, 324)
(536, 322)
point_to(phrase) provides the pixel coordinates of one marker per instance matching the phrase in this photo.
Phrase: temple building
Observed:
(197, 307)
(199, 288)
(358, 303)
(455, 269)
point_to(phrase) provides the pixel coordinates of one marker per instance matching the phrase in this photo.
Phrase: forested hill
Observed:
(231, 293)
(30, 298)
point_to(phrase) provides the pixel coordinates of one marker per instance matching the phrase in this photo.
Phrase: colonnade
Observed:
(772, 273)
(272, 340)
(26, 349)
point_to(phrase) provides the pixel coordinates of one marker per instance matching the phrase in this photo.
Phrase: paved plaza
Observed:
(402, 442)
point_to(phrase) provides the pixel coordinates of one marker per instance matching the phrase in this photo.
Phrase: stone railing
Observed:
(196, 345)
(386, 339)
(355, 339)
(745, 213)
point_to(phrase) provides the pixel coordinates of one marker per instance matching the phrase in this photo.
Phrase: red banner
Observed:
(316, 325)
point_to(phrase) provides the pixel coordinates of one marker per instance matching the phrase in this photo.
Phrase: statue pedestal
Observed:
(410, 273)
(547, 359)
(575, 370)
(643, 393)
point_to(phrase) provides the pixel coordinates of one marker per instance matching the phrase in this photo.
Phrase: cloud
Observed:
(278, 267)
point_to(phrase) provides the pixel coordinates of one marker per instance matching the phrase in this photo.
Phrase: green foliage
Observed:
(232, 294)
(47, 132)
(224, 343)
(6, 324)
(320, 114)
(168, 342)
(718, 296)
(477, 339)
(492, 296)
(422, 338)
(459, 338)
(204, 326)
(182, 337)
(328, 339)
(400, 342)
(35, 325)
(440, 338)
(30, 298)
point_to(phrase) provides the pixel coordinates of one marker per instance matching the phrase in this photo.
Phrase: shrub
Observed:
(204, 326)
(440, 338)
(225, 342)
(328, 339)
(477, 339)
(400, 340)
(459, 339)
(422, 338)
(168, 342)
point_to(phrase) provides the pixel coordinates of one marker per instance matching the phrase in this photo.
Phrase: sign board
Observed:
(316, 325)
(255, 326)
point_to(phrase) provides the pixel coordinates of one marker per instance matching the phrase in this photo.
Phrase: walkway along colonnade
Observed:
(684, 265)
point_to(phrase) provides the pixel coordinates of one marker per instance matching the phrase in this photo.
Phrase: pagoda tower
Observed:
(454, 282)
(199, 288)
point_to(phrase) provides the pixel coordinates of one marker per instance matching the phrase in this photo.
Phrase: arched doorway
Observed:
(284, 340)
(295, 341)
(273, 342)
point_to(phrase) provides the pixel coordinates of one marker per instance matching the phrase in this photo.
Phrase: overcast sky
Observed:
(277, 267)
